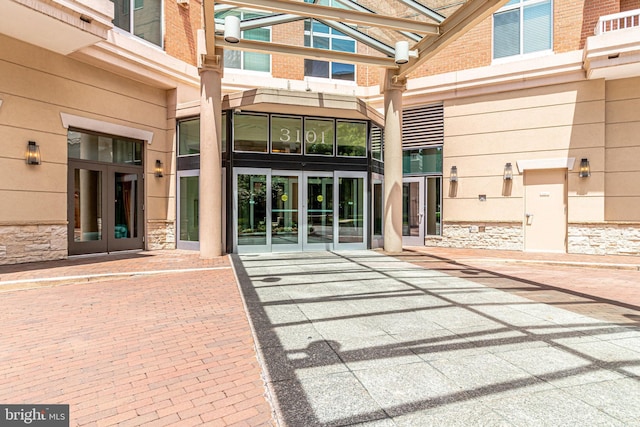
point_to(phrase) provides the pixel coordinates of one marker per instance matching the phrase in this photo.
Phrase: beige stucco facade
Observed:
(539, 114)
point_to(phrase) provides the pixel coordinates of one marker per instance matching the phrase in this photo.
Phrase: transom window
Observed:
(142, 18)
(278, 134)
(249, 61)
(522, 27)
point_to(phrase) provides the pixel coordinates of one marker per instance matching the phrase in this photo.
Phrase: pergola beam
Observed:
(307, 52)
(309, 10)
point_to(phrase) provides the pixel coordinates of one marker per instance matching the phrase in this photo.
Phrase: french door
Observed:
(104, 207)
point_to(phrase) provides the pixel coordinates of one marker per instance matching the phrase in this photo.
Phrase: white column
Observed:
(210, 203)
(392, 91)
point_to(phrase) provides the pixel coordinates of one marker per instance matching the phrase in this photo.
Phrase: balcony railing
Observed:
(618, 21)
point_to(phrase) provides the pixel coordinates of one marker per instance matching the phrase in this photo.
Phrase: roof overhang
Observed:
(57, 25)
(301, 103)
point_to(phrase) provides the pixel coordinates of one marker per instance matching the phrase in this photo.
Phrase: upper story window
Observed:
(250, 61)
(142, 18)
(522, 27)
(321, 36)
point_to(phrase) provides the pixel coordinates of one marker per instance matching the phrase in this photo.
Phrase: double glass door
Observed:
(104, 208)
(421, 209)
(277, 211)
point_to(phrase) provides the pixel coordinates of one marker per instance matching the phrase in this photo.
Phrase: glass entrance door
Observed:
(319, 233)
(421, 209)
(104, 208)
(279, 211)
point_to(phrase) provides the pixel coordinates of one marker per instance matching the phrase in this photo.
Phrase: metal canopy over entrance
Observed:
(402, 34)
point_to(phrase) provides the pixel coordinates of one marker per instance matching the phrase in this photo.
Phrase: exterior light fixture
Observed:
(585, 170)
(231, 29)
(453, 175)
(159, 170)
(33, 153)
(403, 53)
(508, 171)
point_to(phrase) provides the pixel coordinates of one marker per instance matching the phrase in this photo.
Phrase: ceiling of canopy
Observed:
(426, 25)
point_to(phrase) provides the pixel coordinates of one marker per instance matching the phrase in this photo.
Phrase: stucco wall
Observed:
(36, 86)
(484, 133)
(623, 150)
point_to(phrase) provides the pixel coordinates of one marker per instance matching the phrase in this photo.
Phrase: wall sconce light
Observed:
(585, 170)
(159, 170)
(231, 29)
(33, 153)
(508, 172)
(453, 175)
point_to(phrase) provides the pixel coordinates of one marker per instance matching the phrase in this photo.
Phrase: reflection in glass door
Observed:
(285, 233)
(281, 211)
(421, 209)
(251, 212)
(88, 202)
(105, 208)
(351, 210)
(188, 210)
(413, 211)
(319, 208)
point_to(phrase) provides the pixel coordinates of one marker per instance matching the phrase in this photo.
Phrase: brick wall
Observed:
(626, 5)
(286, 66)
(574, 21)
(181, 25)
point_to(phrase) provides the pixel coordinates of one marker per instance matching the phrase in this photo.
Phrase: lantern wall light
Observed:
(33, 153)
(453, 175)
(585, 170)
(508, 172)
(159, 170)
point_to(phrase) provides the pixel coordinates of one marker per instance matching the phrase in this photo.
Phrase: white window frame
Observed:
(332, 37)
(241, 70)
(519, 56)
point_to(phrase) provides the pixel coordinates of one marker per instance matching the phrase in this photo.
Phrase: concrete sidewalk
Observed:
(431, 336)
(361, 338)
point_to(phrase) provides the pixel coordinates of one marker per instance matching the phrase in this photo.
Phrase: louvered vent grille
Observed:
(423, 126)
(376, 142)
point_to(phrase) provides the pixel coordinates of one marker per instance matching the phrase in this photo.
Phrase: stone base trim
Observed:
(479, 235)
(32, 242)
(161, 234)
(604, 238)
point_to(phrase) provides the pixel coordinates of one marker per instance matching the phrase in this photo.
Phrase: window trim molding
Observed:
(78, 122)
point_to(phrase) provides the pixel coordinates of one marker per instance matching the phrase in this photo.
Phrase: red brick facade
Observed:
(181, 24)
(573, 22)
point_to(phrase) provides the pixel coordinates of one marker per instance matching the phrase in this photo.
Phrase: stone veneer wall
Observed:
(604, 238)
(161, 234)
(21, 243)
(504, 236)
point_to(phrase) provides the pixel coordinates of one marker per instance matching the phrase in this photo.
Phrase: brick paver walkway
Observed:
(164, 348)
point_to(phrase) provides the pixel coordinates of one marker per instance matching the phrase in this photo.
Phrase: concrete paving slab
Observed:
(429, 347)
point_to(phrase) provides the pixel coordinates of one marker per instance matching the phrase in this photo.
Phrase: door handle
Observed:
(420, 217)
(529, 218)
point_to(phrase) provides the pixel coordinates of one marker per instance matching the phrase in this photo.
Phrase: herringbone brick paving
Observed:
(154, 349)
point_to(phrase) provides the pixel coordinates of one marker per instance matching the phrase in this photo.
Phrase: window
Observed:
(351, 138)
(321, 36)
(188, 137)
(142, 18)
(250, 132)
(522, 27)
(250, 61)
